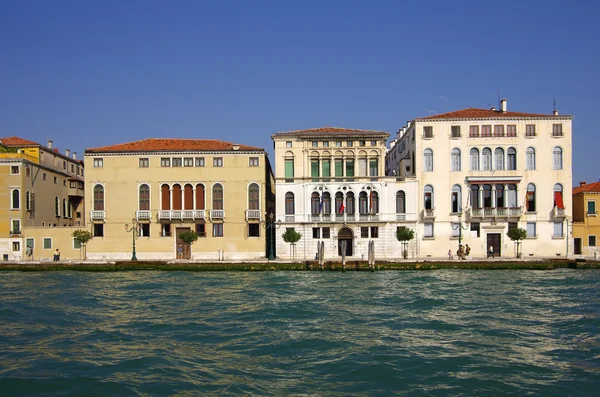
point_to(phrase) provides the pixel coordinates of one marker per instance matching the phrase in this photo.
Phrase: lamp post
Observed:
(270, 225)
(460, 228)
(134, 230)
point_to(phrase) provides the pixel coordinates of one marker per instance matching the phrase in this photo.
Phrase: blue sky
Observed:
(94, 73)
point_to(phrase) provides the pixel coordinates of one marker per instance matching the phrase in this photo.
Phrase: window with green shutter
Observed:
(47, 243)
(350, 169)
(339, 170)
(289, 170)
(326, 170)
(373, 169)
(314, 170)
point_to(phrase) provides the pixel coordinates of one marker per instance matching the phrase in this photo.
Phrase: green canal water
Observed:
(434, 333)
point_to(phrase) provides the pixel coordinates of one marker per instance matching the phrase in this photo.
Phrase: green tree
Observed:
(517, 234)
(189, 237)
(404, 235)
(291, 236)
(82, 237)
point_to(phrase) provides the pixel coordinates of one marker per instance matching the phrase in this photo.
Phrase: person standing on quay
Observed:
(56, 255)
(491, 252)
(29, 253)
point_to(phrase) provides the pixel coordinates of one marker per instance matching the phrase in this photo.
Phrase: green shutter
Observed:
(326, 169)
(349, 168)
(339, 168)
(314, 168)
(289, 168)
(373, 169)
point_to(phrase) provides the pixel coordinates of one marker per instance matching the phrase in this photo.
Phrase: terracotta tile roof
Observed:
(330, 131)
(15, 141)
(168, 144)
(587, 188)
(473, 113)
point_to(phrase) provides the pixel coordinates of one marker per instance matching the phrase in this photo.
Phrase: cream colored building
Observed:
(586, 224)
(39, 187)
(332, 188)
(481, 171)
(148, 192)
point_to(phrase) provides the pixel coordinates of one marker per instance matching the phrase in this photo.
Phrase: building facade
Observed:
(483, 171)
(332, 188)
(586, 225)
(144, 194)
(39, 187)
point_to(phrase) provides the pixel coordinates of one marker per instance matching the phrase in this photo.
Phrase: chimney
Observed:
(582, 183)
(493, 108)
(49, 144)
(67, 152)
(74, 155)
(555, 112)
(236, 147)
(503, 105)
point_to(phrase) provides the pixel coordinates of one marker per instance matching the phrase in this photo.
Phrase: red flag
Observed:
(371, 201)
(342, 208)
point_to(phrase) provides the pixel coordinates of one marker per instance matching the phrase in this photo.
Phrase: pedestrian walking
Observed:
(29, 252)
(491, 252)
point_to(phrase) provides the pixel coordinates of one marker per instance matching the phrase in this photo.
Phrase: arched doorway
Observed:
(346, 235)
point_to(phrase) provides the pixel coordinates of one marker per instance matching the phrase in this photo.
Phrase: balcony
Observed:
(98, 216)
(143, 215)
(558, 213)
(252, 215)
(501, 212)
(428, 213)
(217, 214)
(181, 214)
(75, 188)
(15, 233)
(350, 218)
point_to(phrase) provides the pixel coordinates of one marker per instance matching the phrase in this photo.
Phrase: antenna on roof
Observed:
(554, 103)
(499, 105)
(431, 111)
(445, 102)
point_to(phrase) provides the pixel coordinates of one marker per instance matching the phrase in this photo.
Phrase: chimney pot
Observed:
(74, 155)
(582, 183)
(67, 152)
(555, 112)
(503, 105)
(50, 144)
(493, 108)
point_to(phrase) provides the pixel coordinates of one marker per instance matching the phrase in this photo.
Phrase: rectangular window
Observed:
(530, 229)
(27, 171)
(486, 130)
(201, 229)
(349, 143)
(338, 143)
(64, 165)
(530, 130)
(218, 162)
(373, 167)
(339, 169)
(14, 170)
(176, 162)
(364, 232)
(165, 162)
(144, 230)
(427, 132)
(289, 170)
(557, 130)
(350, 169)
(55, 180)
(455, 131)
(98, 162)
(47, 243)
(326, 144)
(455, 229)
(373, 143)
(428, 230)
(165, 230)
(315, 144)
(98, 229)
(498, 130)
(217, 230)
(188, 162)
(288, 144)
(474, 131)
(558, 229)
(362, 167)
(475, 229)
(76, 244)
(326, 170)
(253, 162)
(325, 232)
(362, 143)
(44, 176)
(511, 130)
(512, 225)
(144, 162)
(199, 161)
(374, 232)
(314, 170)
(254, 230)
(16, 246)
(316, 232)
(72, 168)
(30, 242)
(16, 226)
(591, 208)
(591, 241)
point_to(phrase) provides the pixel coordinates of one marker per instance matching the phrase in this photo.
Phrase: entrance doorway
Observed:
(182, 250)
(346, 235)
(494, 240)
(577, 246)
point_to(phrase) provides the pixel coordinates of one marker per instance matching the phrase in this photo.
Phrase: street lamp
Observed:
(460, 228)
(134, 231)
(270, 225)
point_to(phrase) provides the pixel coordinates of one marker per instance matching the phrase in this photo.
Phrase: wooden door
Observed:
(578, 244)
(182, 250)
(494, 240)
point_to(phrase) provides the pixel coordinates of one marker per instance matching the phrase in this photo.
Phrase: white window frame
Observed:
(218, 162)
(253, 162)
(44, 239)
(534, 226)
(595, 240)
(558, 231)
(98, 162)
(13, 167)
(428, 230)
(199, 162)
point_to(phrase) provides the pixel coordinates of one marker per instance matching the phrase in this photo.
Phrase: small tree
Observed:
(82, 237)
(291, 236)
(517, 234)
(404, 235)
(189, 237)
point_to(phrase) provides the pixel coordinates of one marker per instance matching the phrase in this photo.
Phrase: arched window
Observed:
(558, 196)
(16, 199)
(500, 196)
(217, 196)
(374, 202)
(487, 196)
(144, 197)
(455, 159)
(178, 198)
(315, 203)
(165, 193)
(499, 158)
(56, 207)
(290, 208)
(486, 157)
(253, 197)
(339, 203)
(530, 158)
(200, 197)
(64, 208)
(400, 202)
(557, 162)
(511, 196)
(474, 156)
(530, 203)
(475, 196)
(363, 203)
(327, 203)
(428, 160)
(350, 203)
(188, 197)
(98, 198)
(428, 197)
(511, 159)
(456, 199)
